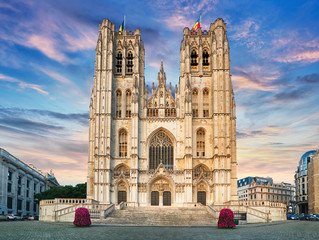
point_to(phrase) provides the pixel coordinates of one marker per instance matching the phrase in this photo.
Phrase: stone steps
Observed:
(161, 216)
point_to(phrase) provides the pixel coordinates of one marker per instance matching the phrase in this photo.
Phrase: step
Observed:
(160, 216)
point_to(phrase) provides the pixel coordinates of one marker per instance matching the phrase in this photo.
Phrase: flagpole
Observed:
(200, 19)
(124, 22)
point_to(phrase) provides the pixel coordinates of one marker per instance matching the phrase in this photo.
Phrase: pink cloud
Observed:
(305, 57)
(22, 84)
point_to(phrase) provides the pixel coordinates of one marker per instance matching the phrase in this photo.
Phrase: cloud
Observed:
(53, 33)
(254, 77)
(82, 118)
(304, 57)
(23, 85)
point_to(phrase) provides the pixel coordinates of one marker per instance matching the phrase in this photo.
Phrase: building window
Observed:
(128, 103)
(28, 206)
(9, 187)
(19, 180)
(200, 144)
(161, 150)
(9, 176)
(28, 183)
(19, 204)
(119, 58)
(205, 103)
(195, 102)
(19, 190)
(123, 143)
(194, 58)
(9, 203)
(118, 103)
(130, 62)
(205, 57)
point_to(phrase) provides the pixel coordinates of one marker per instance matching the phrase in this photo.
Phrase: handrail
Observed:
(110, 209)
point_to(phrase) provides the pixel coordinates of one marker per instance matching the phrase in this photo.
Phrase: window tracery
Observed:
(130, 62)
(205, 103)
(200, 143)
(118, 65)
(128, 103)
(195, 102)
(161, 150)
(194, 56)
(205, 58)
(123, 143)
(118, 103)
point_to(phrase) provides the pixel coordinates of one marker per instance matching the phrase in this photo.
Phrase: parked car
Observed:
(305, 217)
(294, 217)
(314, 217)
(11, 217)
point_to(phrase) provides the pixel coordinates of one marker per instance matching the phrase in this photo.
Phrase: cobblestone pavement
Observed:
(40, 230)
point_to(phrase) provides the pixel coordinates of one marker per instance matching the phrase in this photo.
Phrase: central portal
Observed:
(161, 193)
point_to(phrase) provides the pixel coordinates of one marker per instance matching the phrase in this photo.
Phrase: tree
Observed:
(68, 191)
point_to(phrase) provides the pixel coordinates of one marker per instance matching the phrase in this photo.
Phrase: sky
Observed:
(47, 52)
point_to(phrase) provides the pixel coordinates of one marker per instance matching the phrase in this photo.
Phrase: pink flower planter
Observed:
(82, 218)
(226, 219)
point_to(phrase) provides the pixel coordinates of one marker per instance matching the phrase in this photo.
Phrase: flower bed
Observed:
(226, 219)
(82, 218)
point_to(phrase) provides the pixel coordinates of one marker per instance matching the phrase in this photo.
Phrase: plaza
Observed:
(41, 230)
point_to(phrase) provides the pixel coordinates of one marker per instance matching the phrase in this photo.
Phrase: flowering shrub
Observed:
(82, 218)
(226, 219)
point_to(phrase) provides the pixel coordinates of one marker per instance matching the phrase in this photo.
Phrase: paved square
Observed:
(40, 230)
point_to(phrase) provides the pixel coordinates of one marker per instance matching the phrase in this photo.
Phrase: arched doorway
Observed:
(154, 198)
(167, 198)
(121, 192)
(161, 150)
(201, 197)
(161, 192)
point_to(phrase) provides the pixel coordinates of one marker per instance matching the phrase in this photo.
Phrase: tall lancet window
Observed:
(128, 102)
(205, 58)
(161, 150)
(195, 102)
(194, 56)
(123, 143)
(200, 143)
(205, 103)
(130, 62)
(118, 103)
(119, 58)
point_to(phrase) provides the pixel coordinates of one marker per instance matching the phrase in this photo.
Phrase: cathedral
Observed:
(164, 147)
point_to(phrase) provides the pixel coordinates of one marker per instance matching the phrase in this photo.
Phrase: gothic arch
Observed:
(161, 148)
(122, 185)
(201, 165)
(170, 135)
(121, 165)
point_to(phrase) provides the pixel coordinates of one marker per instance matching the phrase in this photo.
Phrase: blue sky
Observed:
(47, 65)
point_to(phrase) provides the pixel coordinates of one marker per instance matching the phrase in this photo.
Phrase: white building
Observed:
(18, 184)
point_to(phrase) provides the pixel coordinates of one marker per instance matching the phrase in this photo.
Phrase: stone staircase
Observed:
(161, 216)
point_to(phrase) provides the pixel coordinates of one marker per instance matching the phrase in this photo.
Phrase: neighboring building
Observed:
(263, 189)
(18, 184)
(161, 148)
(243, 186)
(301, 182)
(313, 184)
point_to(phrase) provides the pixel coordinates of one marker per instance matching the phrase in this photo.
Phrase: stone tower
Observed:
(162, 149)
(205, 64)
(119, 64)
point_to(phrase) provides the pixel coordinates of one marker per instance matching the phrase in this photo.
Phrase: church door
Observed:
(201, 197)
(121, 196)
(154, 198)
(166, 198)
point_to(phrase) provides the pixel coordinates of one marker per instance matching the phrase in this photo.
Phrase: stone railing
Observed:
(212, 211)
(66, 201)
(108, 211)
(260, 203)
(121, 206)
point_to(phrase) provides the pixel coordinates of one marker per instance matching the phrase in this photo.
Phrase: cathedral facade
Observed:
(162, 147)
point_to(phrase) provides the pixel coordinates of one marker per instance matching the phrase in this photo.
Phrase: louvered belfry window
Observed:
(161, 150)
